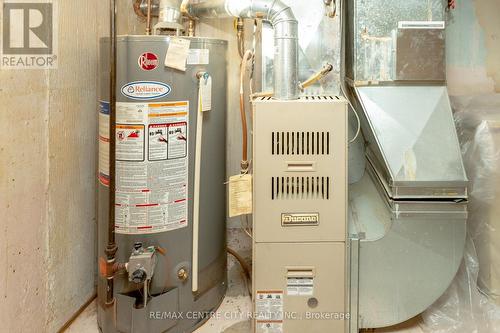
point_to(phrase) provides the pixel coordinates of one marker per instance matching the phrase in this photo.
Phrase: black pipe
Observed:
(111, 248)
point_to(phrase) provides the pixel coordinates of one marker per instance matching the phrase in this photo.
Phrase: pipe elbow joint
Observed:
(286, 35)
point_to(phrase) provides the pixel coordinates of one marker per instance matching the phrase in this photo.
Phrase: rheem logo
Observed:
(148, 61)
(29, 38)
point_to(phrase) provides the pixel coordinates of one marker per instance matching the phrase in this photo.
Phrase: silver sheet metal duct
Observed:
(413, 144)
(280, 15)
(169, 11)
(409, 211)
(407, 254)
(314, 53)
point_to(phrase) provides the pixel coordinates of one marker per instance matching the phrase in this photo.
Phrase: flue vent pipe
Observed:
(280, 15)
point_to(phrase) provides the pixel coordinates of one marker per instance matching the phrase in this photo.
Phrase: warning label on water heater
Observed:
(167, 141)
(130, 142)
(151, 167)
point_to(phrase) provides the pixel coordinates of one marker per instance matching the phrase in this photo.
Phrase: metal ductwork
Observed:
(286, 81)
(169, 12)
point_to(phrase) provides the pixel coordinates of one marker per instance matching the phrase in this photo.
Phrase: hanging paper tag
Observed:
(240, 195)
(177, 53)
(206, 93)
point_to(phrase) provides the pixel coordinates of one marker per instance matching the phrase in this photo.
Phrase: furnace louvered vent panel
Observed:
(296, 188)
(300, 143)
(319, 98)
(308, 98)
(300, 170)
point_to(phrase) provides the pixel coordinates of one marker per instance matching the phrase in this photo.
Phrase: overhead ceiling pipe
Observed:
(280, 15)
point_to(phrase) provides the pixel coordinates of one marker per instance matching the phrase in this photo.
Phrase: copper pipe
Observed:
(185, 10)
(244, 132)
(137, 9)
(244, 128)
(192, 28)
(148, 18)
(240, 28)
(140, 9)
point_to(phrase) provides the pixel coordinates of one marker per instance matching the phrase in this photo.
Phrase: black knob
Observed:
(137, 246)
(139, 276)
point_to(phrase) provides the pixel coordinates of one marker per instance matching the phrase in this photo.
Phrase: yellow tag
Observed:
(240, 195)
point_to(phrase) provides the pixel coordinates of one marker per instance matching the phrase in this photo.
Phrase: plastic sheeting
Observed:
(472, 302)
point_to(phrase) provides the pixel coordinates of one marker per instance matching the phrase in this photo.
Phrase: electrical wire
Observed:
(358, 130)
(247, 233)
(246, 228)
(341, 83)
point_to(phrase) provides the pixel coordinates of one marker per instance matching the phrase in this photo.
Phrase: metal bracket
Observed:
(353, 282)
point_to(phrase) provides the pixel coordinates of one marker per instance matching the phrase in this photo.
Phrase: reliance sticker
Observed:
(146, 90)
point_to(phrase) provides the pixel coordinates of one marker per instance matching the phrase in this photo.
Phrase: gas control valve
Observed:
(141, 264)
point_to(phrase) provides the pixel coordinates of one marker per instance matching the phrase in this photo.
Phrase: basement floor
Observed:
(87, 321)
(237, 301)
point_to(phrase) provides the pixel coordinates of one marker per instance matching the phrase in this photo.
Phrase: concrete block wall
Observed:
(48, 153)
(47, 184)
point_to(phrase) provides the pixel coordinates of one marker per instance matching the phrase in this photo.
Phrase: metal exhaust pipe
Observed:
(286, 81)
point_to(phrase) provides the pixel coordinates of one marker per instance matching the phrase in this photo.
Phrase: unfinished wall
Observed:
(72, 130)
(47, 184)
(473, 43)
(23, 197)
(487, 12)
